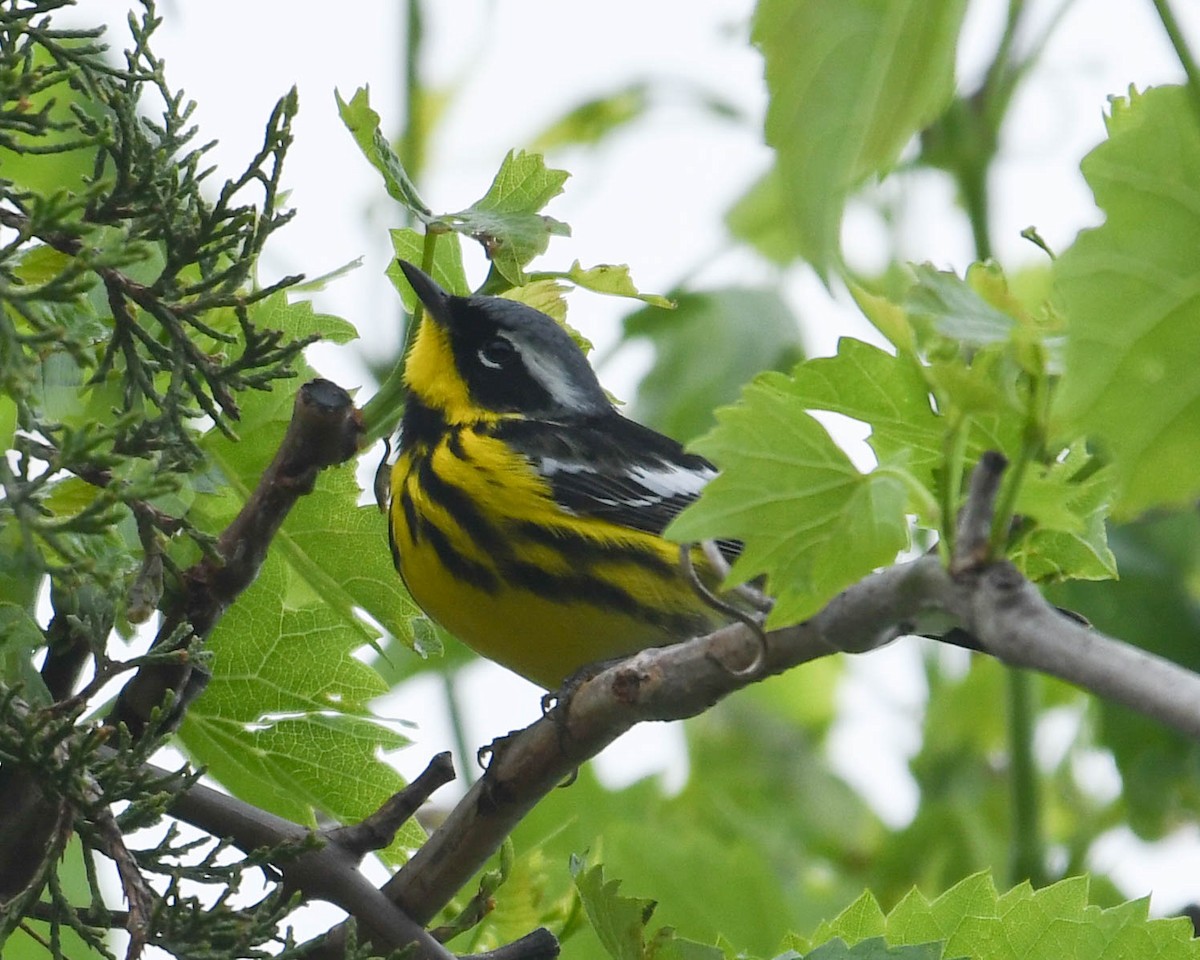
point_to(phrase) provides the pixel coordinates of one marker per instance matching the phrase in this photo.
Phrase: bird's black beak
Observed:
(435, 299)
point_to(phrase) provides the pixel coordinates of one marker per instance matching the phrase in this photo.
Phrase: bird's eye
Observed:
(497, 352)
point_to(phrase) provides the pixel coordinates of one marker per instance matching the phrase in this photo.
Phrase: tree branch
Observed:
(972, 540)
(667, 683)
(324, 430)
(1016, 624)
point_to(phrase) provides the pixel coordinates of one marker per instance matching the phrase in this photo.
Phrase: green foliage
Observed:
(140, 361)
(20, 639)
(594, 120)
(1127, 287)
(809, 520)
(287, 704)
(985, 358)
(358, 577)
(874, 949)
(285, 719)
(125, 297)
(1154, 605)
(974, 370)
(782, 841)
(972, 920)
(850, 84)
(612, 279)
(446, 267)
(620, 922)
(507, 221)
(704, 352)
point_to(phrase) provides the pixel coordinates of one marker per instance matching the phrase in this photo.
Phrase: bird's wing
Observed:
(615, 469)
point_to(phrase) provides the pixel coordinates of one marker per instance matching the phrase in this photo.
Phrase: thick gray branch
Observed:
(1015, 623)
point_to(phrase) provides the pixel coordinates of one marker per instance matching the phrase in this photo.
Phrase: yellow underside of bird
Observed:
(486, 552)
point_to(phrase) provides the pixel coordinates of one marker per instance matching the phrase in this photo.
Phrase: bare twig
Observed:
(324, 430)
(1016, 624)
(138, 894)
(972, 541)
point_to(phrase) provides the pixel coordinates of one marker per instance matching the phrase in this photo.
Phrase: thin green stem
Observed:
(954, 451)
(971, 169)
(412, 138)
(973, 186)
(924, 502)
(1027, 857)
(1031, 448)
(1002, 518)
(1000, 79)
(427, 252)
(1182, 51)
(458, 728)
(382, 411)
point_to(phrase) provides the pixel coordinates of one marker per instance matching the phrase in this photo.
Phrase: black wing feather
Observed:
(597, 468)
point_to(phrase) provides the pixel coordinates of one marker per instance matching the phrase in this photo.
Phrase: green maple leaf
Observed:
(507, 219)
(622, 923)
(809, 520)
(284, 720)
(1054, 923)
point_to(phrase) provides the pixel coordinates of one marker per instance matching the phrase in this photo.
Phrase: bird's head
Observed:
(478, 357)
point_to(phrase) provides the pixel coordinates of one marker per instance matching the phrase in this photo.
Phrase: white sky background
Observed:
(652, 197)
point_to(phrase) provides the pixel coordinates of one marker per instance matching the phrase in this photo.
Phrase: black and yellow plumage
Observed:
(526, 513)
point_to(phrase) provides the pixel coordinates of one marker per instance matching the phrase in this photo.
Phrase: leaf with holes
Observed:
(613, 279)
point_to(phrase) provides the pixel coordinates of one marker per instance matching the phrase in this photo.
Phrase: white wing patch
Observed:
(671, 480)
(646, 485)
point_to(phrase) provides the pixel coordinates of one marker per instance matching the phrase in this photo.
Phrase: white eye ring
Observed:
(496, 352)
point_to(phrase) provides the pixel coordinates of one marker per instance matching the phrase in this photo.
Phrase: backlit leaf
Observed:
(850, 84)
(808, 519)
(1130, 292)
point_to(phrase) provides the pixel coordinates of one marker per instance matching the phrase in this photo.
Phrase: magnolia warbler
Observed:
(526, 513)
